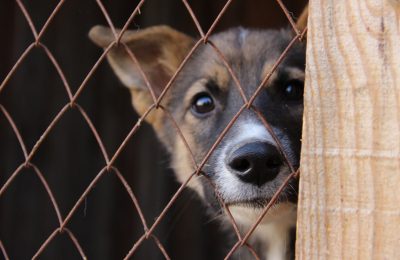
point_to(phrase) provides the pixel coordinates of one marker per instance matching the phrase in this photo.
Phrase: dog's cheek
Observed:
(182, 161)
(141, 102)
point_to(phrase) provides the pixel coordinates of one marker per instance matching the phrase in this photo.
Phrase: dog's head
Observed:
(247, 167)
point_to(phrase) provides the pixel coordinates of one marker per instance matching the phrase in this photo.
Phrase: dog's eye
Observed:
(202, 103)
(294, 90)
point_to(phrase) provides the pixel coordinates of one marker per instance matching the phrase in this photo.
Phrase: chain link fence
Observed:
(62, 226)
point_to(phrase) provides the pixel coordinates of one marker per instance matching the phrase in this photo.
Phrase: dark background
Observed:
(106, 225)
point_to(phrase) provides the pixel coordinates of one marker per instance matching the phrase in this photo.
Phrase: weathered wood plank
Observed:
(349, 205)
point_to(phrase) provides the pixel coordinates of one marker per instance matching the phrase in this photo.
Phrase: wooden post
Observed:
(349, 204)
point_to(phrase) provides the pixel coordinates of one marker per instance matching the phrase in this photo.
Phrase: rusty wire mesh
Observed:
(109, 159)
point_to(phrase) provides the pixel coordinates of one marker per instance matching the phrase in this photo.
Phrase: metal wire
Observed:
(109, 168)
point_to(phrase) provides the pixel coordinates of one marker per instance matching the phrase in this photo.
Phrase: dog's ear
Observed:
(159, 51)
(302, 21)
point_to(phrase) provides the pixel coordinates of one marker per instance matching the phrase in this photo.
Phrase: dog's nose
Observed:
(256, 162)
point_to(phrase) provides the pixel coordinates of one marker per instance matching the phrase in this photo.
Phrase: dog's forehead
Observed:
(248, 52)
(249, 46)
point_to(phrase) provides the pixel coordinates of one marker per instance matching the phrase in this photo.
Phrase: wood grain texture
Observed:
(349, 205)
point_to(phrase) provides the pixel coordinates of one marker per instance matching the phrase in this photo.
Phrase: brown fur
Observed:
(303, 19)
(160, 50)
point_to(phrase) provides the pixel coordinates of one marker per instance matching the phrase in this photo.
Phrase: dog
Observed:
(247, 166)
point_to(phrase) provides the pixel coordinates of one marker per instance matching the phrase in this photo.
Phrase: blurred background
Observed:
(106, 224)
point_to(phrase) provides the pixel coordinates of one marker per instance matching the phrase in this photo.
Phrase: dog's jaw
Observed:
(272, 235)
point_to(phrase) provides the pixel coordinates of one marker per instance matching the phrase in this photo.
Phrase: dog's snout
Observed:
(255, 163)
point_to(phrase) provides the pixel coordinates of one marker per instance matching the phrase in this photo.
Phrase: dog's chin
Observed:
(260, 197)
(250, 203)
(246, 214)
(258, 202)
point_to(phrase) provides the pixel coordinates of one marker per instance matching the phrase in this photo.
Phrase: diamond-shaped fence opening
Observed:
(95, 160)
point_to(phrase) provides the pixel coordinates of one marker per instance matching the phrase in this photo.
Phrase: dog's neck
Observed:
(273, 239)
